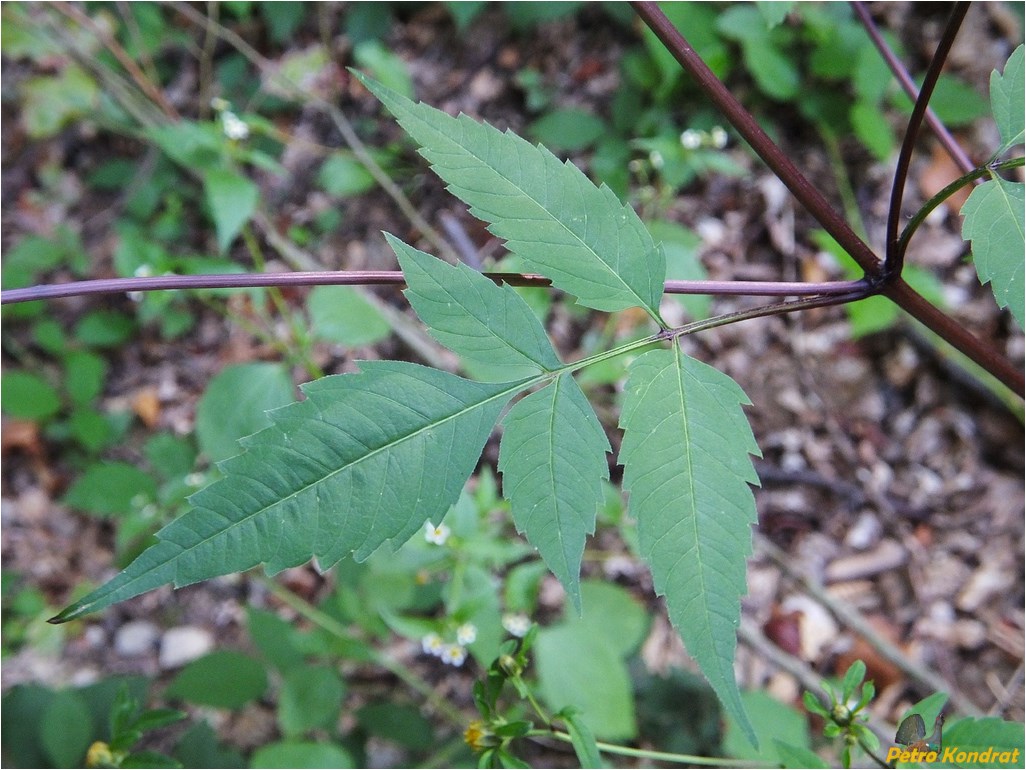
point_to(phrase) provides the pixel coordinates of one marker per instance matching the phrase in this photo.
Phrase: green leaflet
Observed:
(366, 458)
(561, 225)
(473, 317)
(686, 465)
(1008, 98)
(994, 222)
(553, 459)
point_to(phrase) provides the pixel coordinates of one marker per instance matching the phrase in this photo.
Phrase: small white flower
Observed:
(719, 137)
(691, 139)
(234, 128)
(518, 624)
(195, 479)
(217, 104)
(437, 535)
(432, 644)
(656, 159)
(454, 654)
(466, 634)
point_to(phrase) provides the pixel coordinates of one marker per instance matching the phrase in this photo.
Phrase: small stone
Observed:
(184, 644)
(136, 638)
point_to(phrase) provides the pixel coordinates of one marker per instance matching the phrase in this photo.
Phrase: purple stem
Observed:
(895, 256)
(905, 79)
(395, 278)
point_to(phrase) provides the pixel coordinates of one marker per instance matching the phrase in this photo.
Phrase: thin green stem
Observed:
(335, 628)
(659, 756)
(947, 192)
(844, 188)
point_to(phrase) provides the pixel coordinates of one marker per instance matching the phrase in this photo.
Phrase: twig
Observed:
(894, 257)
(395, 278)
(905, 79)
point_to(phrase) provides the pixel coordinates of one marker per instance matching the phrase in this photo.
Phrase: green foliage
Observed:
(1007, 100)
(28, 396)
(111, 489)
(686, 466)
(568, 130)
(232, 199)
(581, 661)
(581, 237)
(842, 718)
(94, 726)
(995, 219)
(980, 734)
(370, 458)
(310, 698)
(234, 405)
(223, 679)
(553, 458)
(482, 322)
(774, 723)
(995, 223)
(301, 754)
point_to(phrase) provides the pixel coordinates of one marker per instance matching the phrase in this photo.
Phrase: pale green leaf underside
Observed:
(994, 222)
(1008, 100)
(553, 461)
(366, 458)
(474, 317)
(563, 226)
(687, 468)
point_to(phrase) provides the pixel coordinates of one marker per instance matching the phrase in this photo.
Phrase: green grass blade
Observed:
(579, 235)
(474, 317)
(366, 459)
(687, 468)
(553, 460)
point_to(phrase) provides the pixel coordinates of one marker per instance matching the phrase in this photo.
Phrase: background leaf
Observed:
(971, 734)
(553, 459)
(235, 404)
(560, 224)
(581, 661)
(232, 199)
(474, 317)
(311, 697)
(366, 458)
(342, 314)
(994, 222)
(223, 679)
(1008, 99)
(687, 468)
(301, 754)
(108, 489)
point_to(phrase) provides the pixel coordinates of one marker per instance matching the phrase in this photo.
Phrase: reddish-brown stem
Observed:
(895, 256)
(898, 291)
(395, 278)
(908, 85)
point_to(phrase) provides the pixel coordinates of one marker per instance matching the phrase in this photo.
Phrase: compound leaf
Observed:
(687, 468)
(474, 317)
(581, 236)
(366, 458)
(994, 222)
(553, 461)
(1007, 99)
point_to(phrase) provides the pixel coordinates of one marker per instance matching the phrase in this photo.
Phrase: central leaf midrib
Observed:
(688, 454)
(466, 151)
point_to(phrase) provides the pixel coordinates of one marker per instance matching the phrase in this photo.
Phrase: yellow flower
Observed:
(478, 737)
